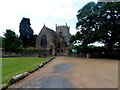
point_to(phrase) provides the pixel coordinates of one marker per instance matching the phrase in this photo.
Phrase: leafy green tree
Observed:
(33, 43)
(26, 32)
(99, 22)
(87, 22)
(72, 38)
(75, 39)
(11, 41)
(109, 20)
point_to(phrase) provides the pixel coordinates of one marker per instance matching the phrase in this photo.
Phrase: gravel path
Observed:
(48, 81)
(72, 72)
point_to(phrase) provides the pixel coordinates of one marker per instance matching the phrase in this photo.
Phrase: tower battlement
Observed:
(64, 29)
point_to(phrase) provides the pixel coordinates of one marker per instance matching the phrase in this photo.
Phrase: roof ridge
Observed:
(52, 32)
(49, 28)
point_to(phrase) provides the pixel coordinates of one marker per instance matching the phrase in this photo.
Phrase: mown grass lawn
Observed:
(16, 65)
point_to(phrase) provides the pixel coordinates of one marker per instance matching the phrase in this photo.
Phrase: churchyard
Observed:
(87, 59)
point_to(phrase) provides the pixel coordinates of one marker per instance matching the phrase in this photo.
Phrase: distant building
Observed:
(49, 39)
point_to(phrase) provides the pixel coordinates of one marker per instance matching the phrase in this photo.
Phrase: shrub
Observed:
(31, 51)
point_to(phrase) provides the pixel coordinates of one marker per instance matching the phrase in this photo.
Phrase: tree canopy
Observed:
(99, 22)
(11, 41)
(26, 32)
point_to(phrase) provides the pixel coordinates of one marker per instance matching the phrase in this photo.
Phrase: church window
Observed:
(44, 41)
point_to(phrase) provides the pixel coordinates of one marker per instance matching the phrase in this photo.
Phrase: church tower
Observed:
(64, 31)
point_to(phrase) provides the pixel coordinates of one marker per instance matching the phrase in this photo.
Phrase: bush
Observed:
(25, 52)
(32, 51)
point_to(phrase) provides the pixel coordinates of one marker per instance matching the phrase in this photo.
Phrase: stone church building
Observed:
(50, 39)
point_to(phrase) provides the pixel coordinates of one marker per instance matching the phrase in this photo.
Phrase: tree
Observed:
(87, 17)
(99, 22)
(11, 41)
(75, 39)
(33, 42)
(72, 38)
(109, 20)
(26, 32)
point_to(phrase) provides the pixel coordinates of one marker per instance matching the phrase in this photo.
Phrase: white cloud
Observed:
(39, 12)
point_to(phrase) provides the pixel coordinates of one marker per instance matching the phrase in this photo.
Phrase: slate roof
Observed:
(51, 32)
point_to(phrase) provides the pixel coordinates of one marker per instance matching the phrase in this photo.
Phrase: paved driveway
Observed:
(72, 72)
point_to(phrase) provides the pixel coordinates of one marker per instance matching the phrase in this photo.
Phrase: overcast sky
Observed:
(50, 12)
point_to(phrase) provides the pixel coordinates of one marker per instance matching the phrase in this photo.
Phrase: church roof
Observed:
(51, 32)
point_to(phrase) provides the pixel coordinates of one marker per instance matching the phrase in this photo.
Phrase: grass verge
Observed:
(16, 65)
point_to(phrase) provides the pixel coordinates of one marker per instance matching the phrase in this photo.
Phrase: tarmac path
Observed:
(73, 72)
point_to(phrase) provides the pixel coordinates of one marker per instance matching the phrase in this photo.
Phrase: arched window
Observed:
(44, 41)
